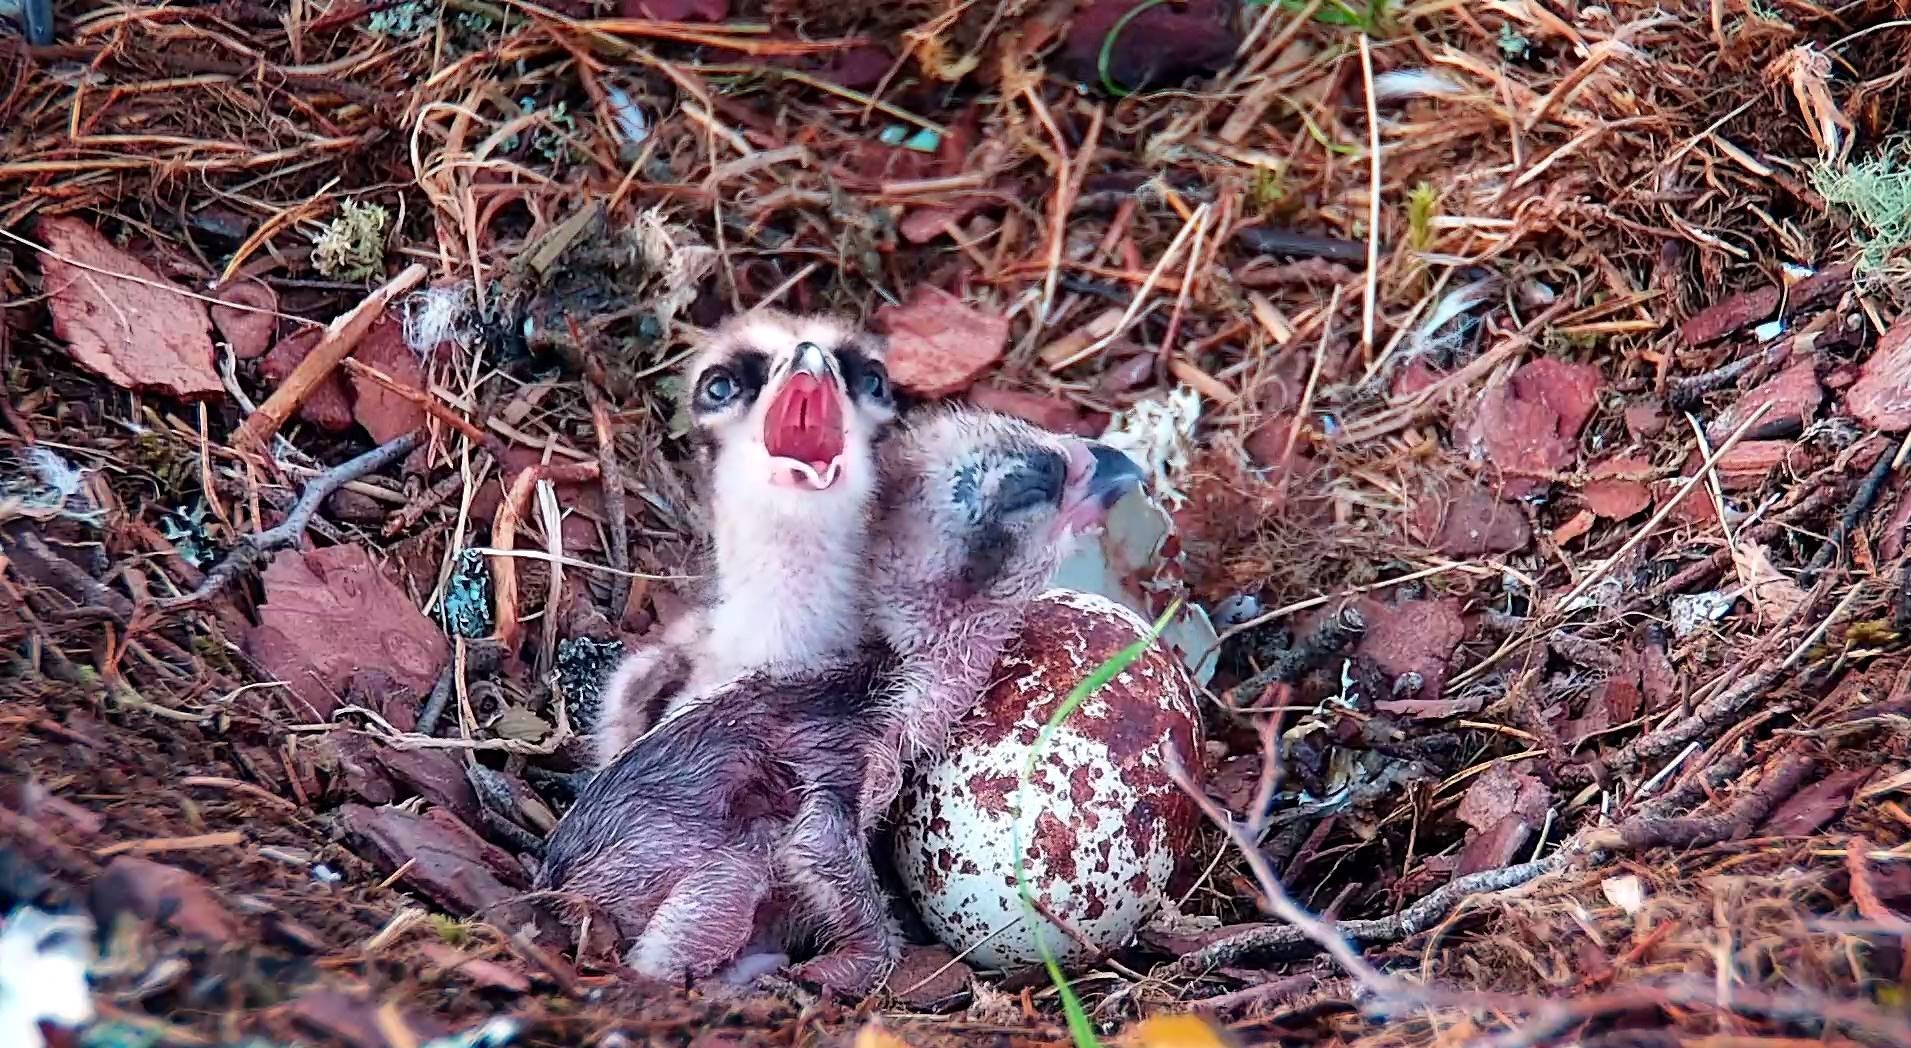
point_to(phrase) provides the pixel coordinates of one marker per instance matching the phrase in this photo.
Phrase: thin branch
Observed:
(253, 550)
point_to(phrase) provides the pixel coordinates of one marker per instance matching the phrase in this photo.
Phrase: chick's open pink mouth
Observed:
(805, 423)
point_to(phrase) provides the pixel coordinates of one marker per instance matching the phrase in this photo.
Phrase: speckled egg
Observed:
(1108, 824)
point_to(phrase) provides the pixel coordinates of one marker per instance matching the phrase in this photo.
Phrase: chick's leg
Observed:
(825, 864)
(706, 920)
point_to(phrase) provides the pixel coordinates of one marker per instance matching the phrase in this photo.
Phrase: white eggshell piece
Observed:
(1109, 823)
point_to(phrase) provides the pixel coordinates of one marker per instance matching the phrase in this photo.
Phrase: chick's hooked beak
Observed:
(1098, 477)
(803, 429)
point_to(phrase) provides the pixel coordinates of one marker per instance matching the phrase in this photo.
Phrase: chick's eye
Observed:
(874, 382)
(717, 388)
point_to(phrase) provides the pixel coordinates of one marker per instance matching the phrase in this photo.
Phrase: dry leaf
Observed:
(249, 323)
(330, 613)
(1413, 637)
(1528, 426)
(1881, 397)
(141, 333)
(1809, 71)
(938, 344)
(520, 724)
(1772, 593)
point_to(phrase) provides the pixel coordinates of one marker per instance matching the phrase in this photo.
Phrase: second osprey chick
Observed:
(741, 818)
(785, 412)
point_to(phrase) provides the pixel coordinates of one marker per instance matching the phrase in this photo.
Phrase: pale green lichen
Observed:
(1877, 194)
(353, 246)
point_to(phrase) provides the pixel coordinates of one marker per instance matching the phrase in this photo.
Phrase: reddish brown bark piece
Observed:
(1790, 399)
(140, 333)
(1469, 521)
(676, 10)
(1617, 489)
(938, 344)
(1161, 46)
(164, 895)
(1745, 309)
(857, 68)
(248, 330)
(327, 407)
(927, 975)
(1266, 447)
(1528, 426)
(923, 224)
(384, 414)
(1416, 636)
(1503, 806)
(450, 864)
(1881, 398)
(434, 775)
(331, 612)
(1645, 420)
(1813, 806)
(1050, 413)
(1502, 789)
(488, 974)
(1616, 499)
(1745, 465)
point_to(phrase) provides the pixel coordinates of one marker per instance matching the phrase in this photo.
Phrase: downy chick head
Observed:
(785, 411)
(979, 505)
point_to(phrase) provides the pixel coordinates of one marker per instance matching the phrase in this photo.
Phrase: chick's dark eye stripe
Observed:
(855, 364)
(751, 369)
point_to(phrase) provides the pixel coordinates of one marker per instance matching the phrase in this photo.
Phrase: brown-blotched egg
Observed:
(1109, 822)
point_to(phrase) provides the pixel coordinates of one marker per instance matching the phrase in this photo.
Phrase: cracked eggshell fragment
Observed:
(1108, 823)
(1126, 563)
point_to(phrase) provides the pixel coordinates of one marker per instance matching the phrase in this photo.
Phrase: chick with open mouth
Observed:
(785, 414)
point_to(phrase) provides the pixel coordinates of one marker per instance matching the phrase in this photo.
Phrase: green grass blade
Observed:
(1108, 46)
(1079, 1027)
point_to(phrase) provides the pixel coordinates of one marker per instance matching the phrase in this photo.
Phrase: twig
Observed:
(427, 403)
(1306, 245)
(1329, 638)
(1591, 578)
(1861, 504)
(1413, 920)
(613, 481)
(341, 337)
(412, 511)
(504, 530)
(1864, 893)
(156, 845)
(1305, 925)
(480, 657)
(1699, 830)
(253, 550)
(1368, 297)
(1686, 392)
